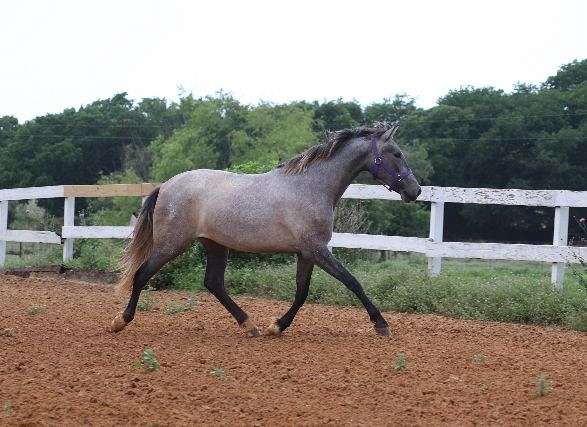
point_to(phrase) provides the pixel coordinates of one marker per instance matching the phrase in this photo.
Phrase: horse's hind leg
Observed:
(156, 260)
(216, 259)
(303, 275)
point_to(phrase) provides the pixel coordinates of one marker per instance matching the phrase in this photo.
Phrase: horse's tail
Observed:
(139, 248)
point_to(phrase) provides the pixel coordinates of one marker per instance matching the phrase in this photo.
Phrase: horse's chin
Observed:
(404, 197)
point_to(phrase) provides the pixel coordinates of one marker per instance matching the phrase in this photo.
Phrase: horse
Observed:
(288, 209)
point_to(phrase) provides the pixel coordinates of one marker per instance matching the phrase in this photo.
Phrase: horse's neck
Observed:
(336, 174)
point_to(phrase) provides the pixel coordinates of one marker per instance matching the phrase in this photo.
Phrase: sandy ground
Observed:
(60, 366)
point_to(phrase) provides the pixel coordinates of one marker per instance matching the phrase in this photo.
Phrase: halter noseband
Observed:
(378, 164)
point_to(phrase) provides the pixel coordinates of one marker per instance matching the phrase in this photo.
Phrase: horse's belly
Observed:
(249, 231)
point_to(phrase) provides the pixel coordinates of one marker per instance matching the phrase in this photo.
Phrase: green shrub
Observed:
(97, 254)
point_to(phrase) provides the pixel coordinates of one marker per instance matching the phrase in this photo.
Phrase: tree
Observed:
(568, 76)
(390, 110)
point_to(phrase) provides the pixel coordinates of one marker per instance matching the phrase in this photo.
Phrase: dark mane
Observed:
(330, 146)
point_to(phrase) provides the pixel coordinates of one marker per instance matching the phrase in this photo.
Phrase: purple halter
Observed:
(378, 164)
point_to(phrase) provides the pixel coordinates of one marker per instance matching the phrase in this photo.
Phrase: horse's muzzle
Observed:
(410, 196)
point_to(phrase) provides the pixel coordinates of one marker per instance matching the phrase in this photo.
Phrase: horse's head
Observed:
(388, 165)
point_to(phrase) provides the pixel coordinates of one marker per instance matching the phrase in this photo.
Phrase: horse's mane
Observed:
(330, 146)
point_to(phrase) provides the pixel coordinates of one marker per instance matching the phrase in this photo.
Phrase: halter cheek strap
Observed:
(378, 165)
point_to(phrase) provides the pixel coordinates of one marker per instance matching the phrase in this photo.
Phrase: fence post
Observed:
(560, 238)
(68, 220)
(3, 228)
(436, 235)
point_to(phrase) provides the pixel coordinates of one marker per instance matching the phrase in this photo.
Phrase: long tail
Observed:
(139, 248)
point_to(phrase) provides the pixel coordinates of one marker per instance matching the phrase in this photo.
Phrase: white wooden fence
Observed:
(559, 254)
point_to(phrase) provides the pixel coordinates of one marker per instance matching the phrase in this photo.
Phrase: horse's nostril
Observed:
(419, 192)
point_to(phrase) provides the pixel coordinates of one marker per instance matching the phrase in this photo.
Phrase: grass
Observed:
(34, 309)
(400, 363)
(498, 291)
(542, 386)
(173, 307)
(146, 302)
(217, 373)
(7, 407)
(7, 332)
(479, 359)
(149, 361)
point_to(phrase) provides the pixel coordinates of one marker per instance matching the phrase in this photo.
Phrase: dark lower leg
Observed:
(303, 275)
(216, 260)
(142, 276)
(328, 263)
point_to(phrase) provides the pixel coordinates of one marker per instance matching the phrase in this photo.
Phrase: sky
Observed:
(62, 54)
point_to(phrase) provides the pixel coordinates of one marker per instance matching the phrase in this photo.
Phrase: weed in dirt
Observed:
(146, 302)
(217, 373)
(35, 309)
(149, 360)
(542, 385)
(7, 407)
(400, 362)
(174, 308)
(479, 359)
(7, 332)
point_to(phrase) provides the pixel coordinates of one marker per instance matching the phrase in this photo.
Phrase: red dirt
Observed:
(61, 367)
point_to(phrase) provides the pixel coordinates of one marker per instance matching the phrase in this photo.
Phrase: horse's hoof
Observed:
(273, 330)
(251, 330)
(118, 324)
(382, 331)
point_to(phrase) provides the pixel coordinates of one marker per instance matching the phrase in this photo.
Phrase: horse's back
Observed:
(245, 212)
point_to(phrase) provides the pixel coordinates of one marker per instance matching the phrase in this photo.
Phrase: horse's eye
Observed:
(398, 155)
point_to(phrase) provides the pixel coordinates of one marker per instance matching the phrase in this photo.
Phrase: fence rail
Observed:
(559, 254)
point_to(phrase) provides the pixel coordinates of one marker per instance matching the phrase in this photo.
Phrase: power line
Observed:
(133, 138)
(166, 126)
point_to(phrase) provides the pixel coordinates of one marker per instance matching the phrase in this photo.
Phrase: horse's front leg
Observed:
(323, 258)
(303, 275)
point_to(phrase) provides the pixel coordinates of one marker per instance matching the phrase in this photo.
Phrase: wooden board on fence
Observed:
(110, 190)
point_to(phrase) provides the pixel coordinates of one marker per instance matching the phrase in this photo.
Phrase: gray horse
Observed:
(289, 209)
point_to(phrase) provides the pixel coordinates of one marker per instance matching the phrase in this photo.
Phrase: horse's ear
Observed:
(390, 133)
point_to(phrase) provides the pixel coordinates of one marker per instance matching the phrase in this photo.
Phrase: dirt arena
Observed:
(60, 366)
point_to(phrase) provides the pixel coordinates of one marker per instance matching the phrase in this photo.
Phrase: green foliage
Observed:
(569, 76)
(113, 210)
(479, 359)
(253, 167)
(149, 361)
(175, 308)
(184, 272)
(400, 363)
(272, 134)
(7, 332)
(97, 254)
(75, 147)
(337, 115)
(390, 110)
(397, 219)
(146, 301)
(205, 140)
(7, 407)
(505, 292)
(28, 215)
(542, 385)
(34, 309)
(217, 373)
